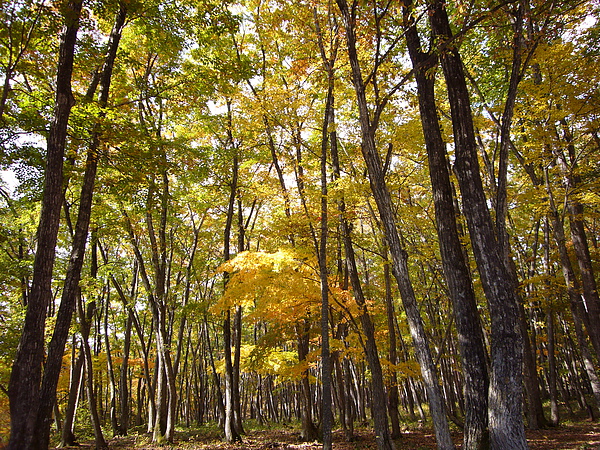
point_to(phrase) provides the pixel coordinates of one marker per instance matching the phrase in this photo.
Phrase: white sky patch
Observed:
(589, 21)
(216, 108)
(9, 179)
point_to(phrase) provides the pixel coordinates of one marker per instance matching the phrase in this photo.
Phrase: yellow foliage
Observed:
(280, 287)
(404, 370)
(4, 420)
(267, 361)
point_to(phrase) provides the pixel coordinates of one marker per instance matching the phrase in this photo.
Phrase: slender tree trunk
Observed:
(237, 328)
(309, 431)
(580, 318)
(111, 371)
(26, 374)
(552, 371)
(535, 412)
(85, 321)
(378, 400)
(327, 413)
(399, 256)
(552, 368)
(231, 434)
(579, 239)
(392, 389)
(67, 435)
(216, 381)
(124, 378)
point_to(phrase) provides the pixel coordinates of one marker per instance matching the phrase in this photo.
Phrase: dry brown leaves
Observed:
(579, 436)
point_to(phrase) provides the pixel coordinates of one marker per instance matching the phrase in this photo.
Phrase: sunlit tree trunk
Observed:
(505, 394)
(456, 269)
(231, 433)
(399, 256)
(85, 321)
(67, 435)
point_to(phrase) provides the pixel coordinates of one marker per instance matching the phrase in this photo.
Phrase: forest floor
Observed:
(579, 436)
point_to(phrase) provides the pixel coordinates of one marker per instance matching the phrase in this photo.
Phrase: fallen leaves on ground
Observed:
(569, 437)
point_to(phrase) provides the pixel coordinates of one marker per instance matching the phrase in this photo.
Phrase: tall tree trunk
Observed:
(112, 387)
(85, 321)
(124, 378)
(231, 433)
(309, 431)
(378, 400)
(399, 256)
(71, 287)
(67, 435)
(580, 318)
(220, 407)
(456, 269)
(326, 411)
(392, 389)
(237, 332)
(535, 412)
(578, 237)
(26, 374)
(552, 369)
(505, 393)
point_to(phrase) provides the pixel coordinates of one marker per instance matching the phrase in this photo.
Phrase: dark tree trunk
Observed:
(392, 389)
(505, 396)
(71, 287)
(579, 239)
(378, 397)
(309, 431)
(326, 412)
(578, 310)
(110, 368)
(24, 385)
(231, 433)
(399, 256)
(456, 268)
(85, 321)
(124, 378)
(67, 435)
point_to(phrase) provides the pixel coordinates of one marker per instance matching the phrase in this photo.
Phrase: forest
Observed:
(346, 221)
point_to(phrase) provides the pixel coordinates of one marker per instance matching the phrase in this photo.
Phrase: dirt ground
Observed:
(580, 436)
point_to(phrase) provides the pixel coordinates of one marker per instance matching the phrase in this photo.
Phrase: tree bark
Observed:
(392, 388)
(326, 412)
(455, 265)
(25, 378)
(580, 318)
(85, 321)
(71, 287)
(505, 393)
(579, 239)
(399, 256)
(67, 435)
(231, 433)
(309, 431)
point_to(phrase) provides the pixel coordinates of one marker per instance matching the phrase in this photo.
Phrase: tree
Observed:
(24, 387)
(399, 256)
(71, 288)
(505, 404)
(456, 269)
